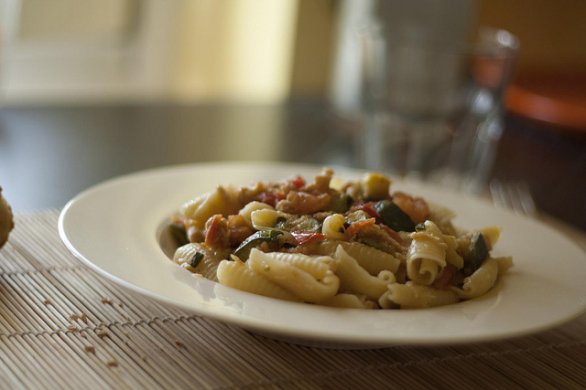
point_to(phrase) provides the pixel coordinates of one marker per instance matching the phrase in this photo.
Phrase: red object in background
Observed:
(558, 99)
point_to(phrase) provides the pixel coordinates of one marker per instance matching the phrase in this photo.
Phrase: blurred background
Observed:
(245, 50)
(120, 75)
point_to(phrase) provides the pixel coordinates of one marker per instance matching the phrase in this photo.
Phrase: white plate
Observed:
(112, 227)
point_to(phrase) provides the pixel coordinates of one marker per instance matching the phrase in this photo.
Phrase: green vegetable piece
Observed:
(475, 254)
(299, 223)
(376, 243)
(340, 203)
(392, 216)
(178, 234)
(270, 236)
(196, 259)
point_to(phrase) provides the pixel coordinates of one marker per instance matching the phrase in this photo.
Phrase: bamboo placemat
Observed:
(64, 326)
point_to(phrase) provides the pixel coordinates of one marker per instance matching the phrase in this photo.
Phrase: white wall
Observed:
(188, 50)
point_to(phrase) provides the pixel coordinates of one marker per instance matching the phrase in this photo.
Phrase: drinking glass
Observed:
(432, 108)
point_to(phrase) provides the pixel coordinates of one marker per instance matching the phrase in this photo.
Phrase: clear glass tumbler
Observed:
(433, 109)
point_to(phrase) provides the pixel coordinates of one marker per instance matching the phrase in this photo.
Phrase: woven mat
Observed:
(64, 326)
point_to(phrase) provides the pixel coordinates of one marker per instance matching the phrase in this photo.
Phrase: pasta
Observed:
(347, 244)
(223, 200)
(371, 259)
(480, 281)
(197, 258)
(350, 301)
(237, 275)
(307, 278)
(333, 227)
(426, 258)
(248, 209)
(355, 279)
(413, 296)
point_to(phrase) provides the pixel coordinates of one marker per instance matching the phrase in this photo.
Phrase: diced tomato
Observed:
(271, 197)
(216, 232)
(369, 208)
(267, 198)
(297, 182)
(355, 227)
(416, 208)
(307, 237)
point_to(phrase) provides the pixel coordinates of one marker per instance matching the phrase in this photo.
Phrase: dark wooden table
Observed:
(49, 154)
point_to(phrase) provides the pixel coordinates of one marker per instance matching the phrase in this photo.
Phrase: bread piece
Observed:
(6, 220)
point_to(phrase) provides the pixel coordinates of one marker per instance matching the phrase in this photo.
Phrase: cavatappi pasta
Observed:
(353, 244)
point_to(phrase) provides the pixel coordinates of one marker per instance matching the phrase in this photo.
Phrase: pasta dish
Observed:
(355, 244)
